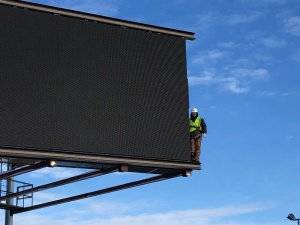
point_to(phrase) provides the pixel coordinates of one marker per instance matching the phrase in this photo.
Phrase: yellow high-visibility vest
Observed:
(196, 125)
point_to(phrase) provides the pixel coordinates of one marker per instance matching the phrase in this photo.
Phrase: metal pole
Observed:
(9, 201)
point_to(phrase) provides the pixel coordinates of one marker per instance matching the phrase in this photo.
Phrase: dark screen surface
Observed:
(78, 86)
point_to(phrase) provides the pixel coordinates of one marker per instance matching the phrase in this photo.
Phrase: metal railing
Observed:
(22, 200)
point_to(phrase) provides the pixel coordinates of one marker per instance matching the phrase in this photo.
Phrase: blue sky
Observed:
(243, 71)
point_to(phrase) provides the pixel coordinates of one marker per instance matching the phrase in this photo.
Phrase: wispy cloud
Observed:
(230, 84)
(56, 172)
(210, 56)
(219, 216)
(234, 85)
(41, 197)
(258, 74)
(265, 93)
(292, 25)
(206, 79)
(263, 57)
(273, 42)
(206, 21)
(290, 137)
(236, 81)
(226, 71)
(236, 19)
(228, 45)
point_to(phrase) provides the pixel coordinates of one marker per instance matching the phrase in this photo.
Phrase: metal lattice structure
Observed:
(15, 200)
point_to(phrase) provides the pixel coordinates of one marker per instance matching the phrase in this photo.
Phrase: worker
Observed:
(197, 131)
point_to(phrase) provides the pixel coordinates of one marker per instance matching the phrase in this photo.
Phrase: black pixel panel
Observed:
(77, 86)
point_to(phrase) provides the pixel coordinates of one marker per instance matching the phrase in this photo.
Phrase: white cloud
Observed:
(211, 56)
(206, 21)
(40, 197)
(273, 42)
(233, 85)
(236, 19)
(258, 74)
(228, 45)
(265, 93)
(236, 80)
(230, 84)
(290, 137)
(110, 208)
(202, 80)
(210, 20)
(288, 93)
(182, 217)
(292, 25)
(228, 71)
(56, 172)
(262, 57)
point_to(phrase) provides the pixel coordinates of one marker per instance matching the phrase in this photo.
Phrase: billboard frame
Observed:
(97, 18)
(88, 161)
(93, 161)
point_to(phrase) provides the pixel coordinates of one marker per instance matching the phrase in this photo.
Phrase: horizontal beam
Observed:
(9, 207)
(61, 182)
(85, 158)
(99, 192)
(102, 19)
(24, 169)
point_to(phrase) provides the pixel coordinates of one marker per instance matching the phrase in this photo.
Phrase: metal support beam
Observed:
(24, 169)
(99, 192)
(62, 182)
(9, 207)
(95, 159)
(9, 201)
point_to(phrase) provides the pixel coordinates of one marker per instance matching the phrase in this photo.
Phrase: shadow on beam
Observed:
(99, 192)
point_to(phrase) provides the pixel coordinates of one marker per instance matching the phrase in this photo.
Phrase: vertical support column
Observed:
(9, 201)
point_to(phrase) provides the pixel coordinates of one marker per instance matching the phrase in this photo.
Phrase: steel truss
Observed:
(15, 209)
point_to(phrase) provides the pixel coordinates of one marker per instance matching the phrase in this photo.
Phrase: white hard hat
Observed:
(195, 110)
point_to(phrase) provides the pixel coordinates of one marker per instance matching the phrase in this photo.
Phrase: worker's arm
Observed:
(203, 126)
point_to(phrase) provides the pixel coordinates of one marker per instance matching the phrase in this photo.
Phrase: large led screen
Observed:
(76, 86)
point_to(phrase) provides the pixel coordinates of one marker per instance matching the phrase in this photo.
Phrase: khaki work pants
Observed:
(196, 147)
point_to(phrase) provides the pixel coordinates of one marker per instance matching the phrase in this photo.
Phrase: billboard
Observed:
(74, 85)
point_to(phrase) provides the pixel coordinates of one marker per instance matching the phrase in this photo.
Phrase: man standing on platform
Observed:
(197, 130)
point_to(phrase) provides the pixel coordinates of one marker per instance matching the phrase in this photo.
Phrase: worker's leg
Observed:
(192, 140)
(198, 148)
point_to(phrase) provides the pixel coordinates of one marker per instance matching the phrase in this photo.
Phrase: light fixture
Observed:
(292, 217)
(52, 163)
(187, 173)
